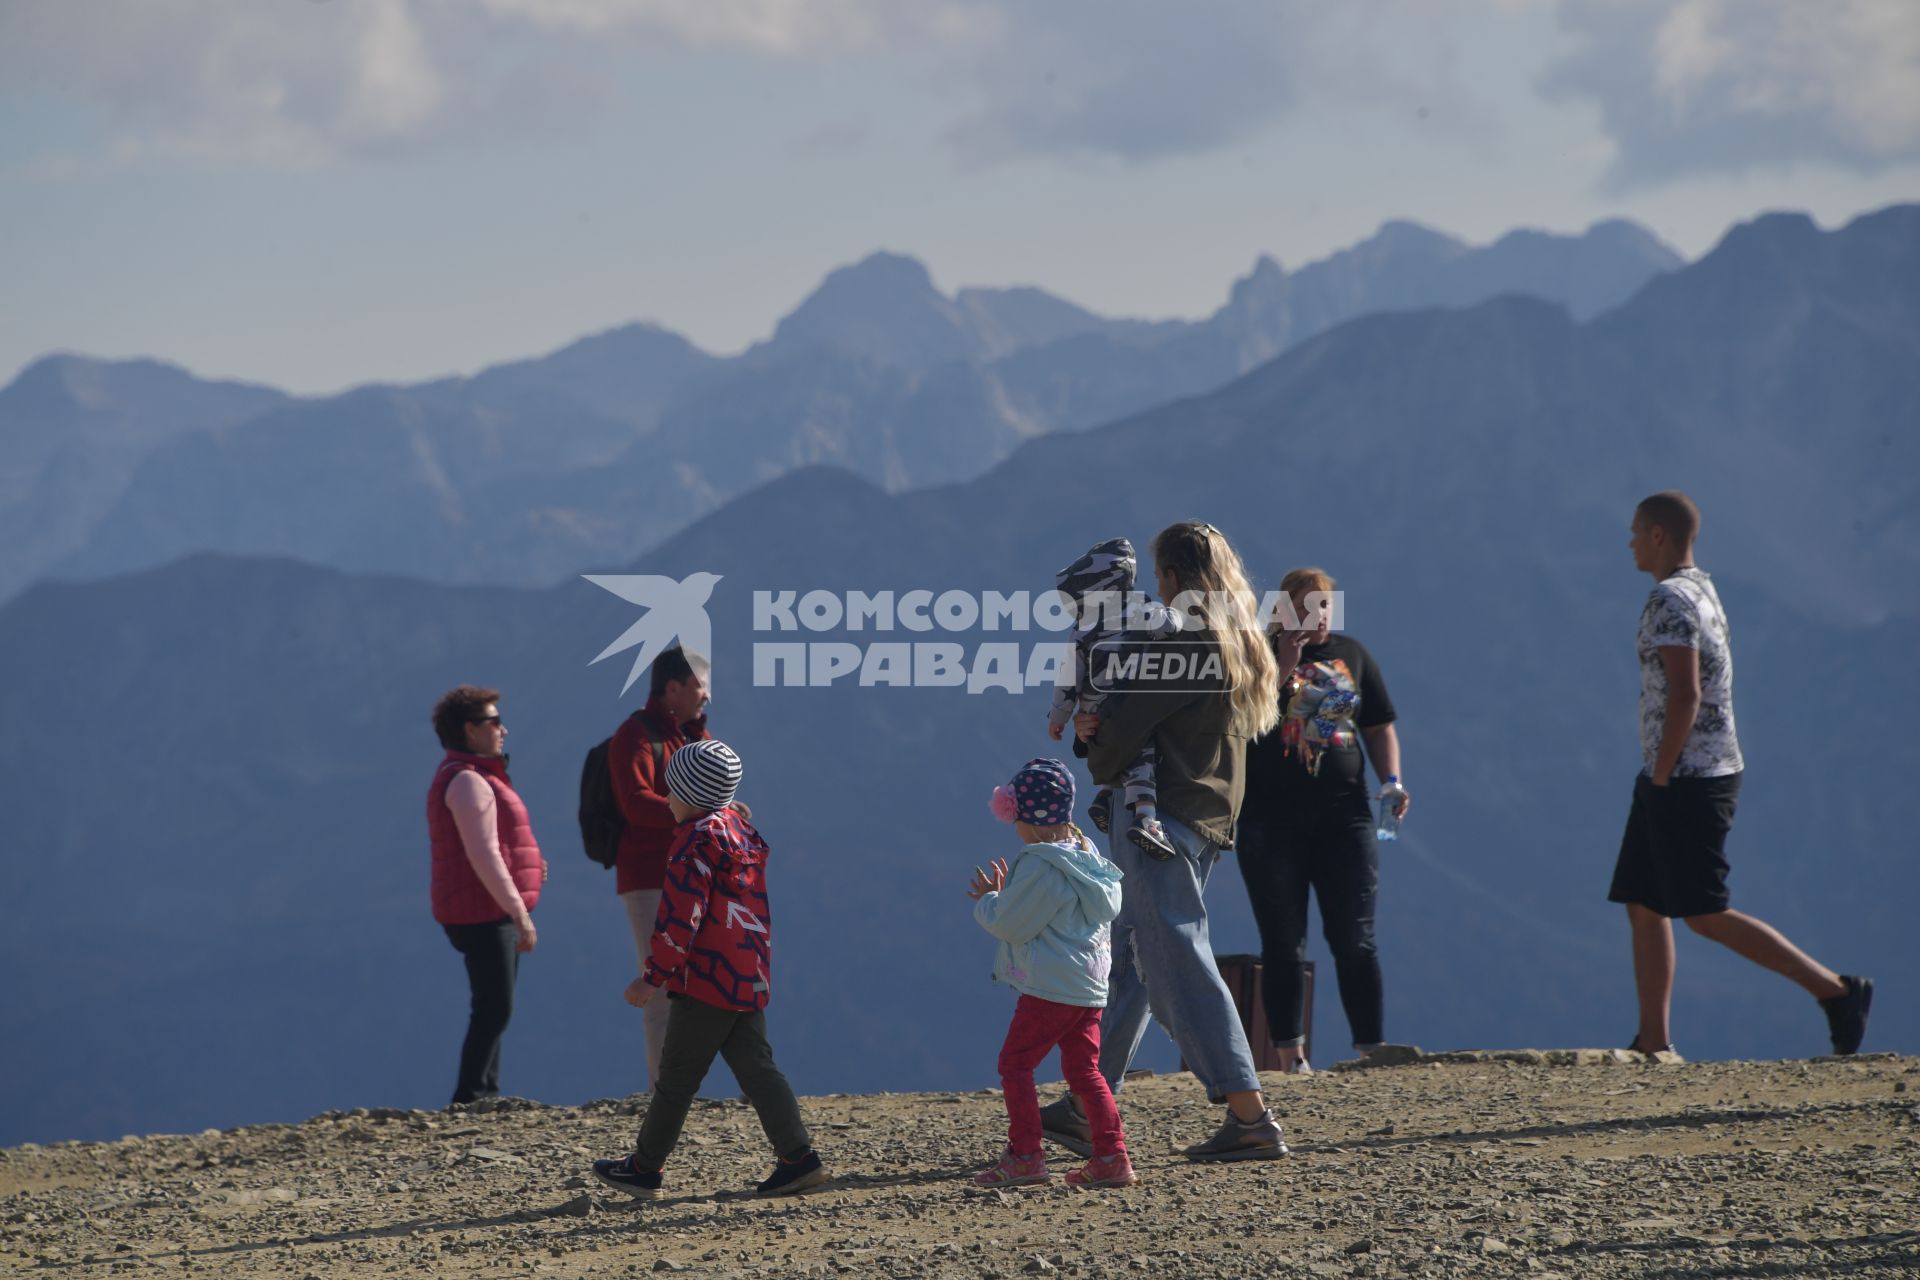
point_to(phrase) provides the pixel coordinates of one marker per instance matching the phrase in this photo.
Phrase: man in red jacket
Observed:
(675, 715)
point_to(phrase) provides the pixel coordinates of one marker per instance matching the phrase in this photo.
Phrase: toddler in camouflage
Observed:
(1100, 585)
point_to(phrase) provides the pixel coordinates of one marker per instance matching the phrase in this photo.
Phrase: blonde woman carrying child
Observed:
(1051, 910)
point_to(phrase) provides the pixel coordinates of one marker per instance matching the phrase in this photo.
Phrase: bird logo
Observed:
(675, 609)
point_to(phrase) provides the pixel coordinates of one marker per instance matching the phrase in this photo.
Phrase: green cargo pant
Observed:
(696, 1034)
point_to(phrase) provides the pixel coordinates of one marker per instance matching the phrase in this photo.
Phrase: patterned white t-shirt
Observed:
(1685, 610)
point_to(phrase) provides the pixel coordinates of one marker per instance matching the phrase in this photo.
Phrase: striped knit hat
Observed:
(704, 774)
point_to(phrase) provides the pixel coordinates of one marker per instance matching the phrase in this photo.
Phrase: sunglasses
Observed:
(494, 720)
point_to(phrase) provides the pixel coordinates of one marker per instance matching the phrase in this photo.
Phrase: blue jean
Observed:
(1163, 965)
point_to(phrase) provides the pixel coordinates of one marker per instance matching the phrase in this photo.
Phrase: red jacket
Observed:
(641, 792)
(458, 895)
(713, 938)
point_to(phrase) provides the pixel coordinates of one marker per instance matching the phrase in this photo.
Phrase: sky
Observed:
(316, 194)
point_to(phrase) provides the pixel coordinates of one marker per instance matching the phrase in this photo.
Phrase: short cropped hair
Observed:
(1299, 582)
(672, 664)
(1675, 512)
(456, 710)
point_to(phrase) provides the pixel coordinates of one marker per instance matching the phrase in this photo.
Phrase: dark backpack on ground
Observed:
(601, 822)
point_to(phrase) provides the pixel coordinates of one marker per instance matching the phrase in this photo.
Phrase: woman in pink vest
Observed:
(487, 872)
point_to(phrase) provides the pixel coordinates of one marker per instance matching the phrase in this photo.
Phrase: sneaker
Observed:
(624, 1175)
(1100, 812)
(1300, 1067)
(1634, 1046)
(1015, 1171)
(1104, 1171)
(1847, 1014)
(789, 1177)
(1239, 1139)
(1063, 1122)
(1151, 838)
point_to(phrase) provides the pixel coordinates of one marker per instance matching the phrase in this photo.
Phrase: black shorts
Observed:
(1673, 857)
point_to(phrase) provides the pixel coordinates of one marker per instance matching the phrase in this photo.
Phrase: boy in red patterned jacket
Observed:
(713, 957)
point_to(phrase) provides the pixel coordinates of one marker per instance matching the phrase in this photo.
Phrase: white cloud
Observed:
(1685, 86)
(292, 83)
(300, 82)
(1682, 86)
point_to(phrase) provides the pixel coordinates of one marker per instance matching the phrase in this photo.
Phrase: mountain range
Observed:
(529, 471)
(214, 771)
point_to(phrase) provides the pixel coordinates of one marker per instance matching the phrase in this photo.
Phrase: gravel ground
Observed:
(1496, 1165)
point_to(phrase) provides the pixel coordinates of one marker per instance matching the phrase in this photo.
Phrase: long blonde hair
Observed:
(1202, 561)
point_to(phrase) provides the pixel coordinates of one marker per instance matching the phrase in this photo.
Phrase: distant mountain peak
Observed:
(883, 308)
(1402, 235)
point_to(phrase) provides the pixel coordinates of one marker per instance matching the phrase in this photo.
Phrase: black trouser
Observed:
(492, 965)
(1326, 845)
(696, 1032)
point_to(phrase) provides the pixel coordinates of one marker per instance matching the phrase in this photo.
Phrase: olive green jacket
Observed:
(1203, 760)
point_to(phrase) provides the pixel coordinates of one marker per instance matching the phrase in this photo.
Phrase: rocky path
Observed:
(1457, 1168)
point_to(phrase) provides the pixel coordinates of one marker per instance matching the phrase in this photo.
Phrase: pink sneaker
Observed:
(1015, 1171)
(1104, 1171)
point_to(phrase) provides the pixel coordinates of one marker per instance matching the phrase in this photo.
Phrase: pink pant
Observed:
(1039, 1025)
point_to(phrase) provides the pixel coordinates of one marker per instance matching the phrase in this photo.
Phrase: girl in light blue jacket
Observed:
(1051, 910)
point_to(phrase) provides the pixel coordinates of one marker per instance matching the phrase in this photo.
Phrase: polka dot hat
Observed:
(1041, 793)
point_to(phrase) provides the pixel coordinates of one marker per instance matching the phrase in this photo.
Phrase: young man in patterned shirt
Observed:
(1673, 862)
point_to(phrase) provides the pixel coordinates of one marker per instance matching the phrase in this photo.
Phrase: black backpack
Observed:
(601, 822)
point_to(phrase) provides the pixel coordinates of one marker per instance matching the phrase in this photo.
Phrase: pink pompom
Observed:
(1003, 805)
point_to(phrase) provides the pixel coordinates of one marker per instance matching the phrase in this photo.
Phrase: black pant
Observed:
(492, 965)
(1326, 845)
(696, 1033)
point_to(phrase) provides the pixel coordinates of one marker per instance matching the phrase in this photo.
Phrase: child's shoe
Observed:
(624, 1175)
(1100, 812)
(1104, 1171)
(1015, 1171)
(790, 1177)
(1151, 837)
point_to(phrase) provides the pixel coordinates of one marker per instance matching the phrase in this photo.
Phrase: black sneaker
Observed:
(1100, 812)
(792, 1176)
(1151, 838)
(1847, 1014)
(1062, 1122)
(624, 1175)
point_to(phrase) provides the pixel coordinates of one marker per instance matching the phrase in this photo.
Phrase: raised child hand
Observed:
(992, 880)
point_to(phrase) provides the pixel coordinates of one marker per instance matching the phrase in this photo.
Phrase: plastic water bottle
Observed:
(1388, 827)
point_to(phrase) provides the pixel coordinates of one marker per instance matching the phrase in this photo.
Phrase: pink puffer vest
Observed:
(458, 895)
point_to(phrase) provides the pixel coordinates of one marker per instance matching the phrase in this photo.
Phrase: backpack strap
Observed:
(659, 747)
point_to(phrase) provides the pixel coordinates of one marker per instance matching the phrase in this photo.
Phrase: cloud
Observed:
(1731, 85)
(280, 84)
(1682, 86)
(293, 83)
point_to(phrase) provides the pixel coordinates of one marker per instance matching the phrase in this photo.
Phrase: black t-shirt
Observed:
(1314, 751)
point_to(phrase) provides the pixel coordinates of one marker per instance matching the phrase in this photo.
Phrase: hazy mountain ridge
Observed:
(876, 370)
(1467, 475)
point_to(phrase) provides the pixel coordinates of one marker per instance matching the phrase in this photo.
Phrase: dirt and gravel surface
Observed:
(1449, 1168)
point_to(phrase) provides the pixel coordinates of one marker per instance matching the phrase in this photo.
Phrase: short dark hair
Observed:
(672, 664)
(459, 707)
(1675, 512)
